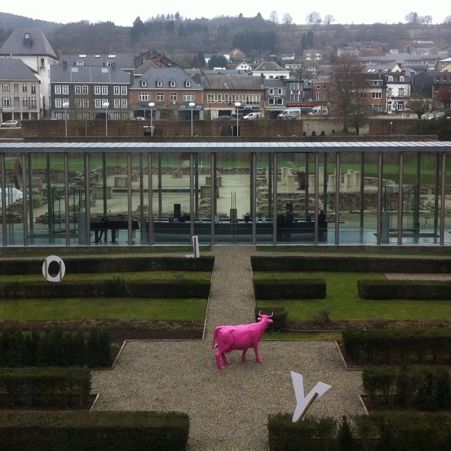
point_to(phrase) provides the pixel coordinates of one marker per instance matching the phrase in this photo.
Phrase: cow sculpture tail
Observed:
(214, 344)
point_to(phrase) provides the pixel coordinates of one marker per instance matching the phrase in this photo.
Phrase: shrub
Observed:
(279, 318)
(290, 289)
(55, 348)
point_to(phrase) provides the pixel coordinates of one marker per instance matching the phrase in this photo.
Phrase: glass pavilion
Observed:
(146, 193)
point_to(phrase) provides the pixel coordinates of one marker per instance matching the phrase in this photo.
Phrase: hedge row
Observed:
(45, 387)
(397, 346)
(404, 289)
(387, 432)
(108, 264)
(106, 288)
(55, 348)
(93, 430)
(426, 388)
(290, 289)
(350, 264)
(279, 317)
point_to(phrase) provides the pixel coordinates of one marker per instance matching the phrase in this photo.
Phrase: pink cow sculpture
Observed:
(240, 337)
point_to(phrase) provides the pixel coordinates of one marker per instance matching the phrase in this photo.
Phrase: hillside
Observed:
(182, 39)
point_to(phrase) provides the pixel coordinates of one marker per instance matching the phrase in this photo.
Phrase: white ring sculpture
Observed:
(46, 265)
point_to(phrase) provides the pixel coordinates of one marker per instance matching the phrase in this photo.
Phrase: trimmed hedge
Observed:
(388, 432)
(426, 388)
(55, 348)
(290, 289)
(106, 288)
(351, 264)
(383, 346)
(279, 318)
(404, 289)
(93, 430)
(311, 434)
(45, 387)
(109, 264)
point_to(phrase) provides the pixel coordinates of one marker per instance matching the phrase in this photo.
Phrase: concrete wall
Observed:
(326, 128)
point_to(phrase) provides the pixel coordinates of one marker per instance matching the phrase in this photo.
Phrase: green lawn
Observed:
(102, 308)
(302, 336)
(342, 301)
(131, 276)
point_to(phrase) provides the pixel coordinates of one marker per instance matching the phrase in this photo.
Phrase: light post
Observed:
(237, 105)
(106, 105)
(65, 106)
(191, 105)
(151, 105)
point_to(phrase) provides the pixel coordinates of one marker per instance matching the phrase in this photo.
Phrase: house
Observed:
(89, 92)
(398, 91)
(171, 91)
(243, 66)
(222, 93)
(275, 96)
(19, 91)
(32, 47)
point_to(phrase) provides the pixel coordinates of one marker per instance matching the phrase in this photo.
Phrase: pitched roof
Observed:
(269, 66)
(119, 60)
(237, 82)
(165, 75)
(16, 69)
(27, 41)
(87, 74)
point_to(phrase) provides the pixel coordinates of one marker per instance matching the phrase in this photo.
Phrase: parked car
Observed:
(140, 118)
(10, 123)
(252, 116)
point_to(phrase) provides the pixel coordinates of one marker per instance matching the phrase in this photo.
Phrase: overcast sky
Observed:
(384, 11)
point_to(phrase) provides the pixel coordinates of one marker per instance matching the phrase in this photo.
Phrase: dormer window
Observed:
(143, 83)
(172, 84)
(159, 83)
(390, 78)
(80, 63)
(401, 78)
(187, 84)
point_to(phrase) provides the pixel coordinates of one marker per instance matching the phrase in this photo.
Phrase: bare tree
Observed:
(426, 20)
(328, 19)
(347, 92)
(420, 106)
(412, 18)
(444, 97)
(314, 18)
(447, 20)
(287, 19)
(273, 16)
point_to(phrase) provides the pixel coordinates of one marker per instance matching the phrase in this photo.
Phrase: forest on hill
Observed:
(182, 39)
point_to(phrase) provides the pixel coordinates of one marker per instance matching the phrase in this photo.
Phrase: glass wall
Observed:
(171, 206)
(82, 198)
(202, 196)
(233, 223)
(264, 195)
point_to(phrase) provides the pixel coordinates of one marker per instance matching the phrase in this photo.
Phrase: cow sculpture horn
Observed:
(272, 314)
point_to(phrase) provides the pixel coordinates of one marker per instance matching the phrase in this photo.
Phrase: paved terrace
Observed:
(228, 409)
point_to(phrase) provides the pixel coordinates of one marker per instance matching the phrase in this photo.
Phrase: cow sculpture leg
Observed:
(243, 356)
(221, 360)
(258, 358)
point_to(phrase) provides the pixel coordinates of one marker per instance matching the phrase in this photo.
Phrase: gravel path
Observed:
(228, 409)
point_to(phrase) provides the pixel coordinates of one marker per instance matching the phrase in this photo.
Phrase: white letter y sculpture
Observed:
(303, 403)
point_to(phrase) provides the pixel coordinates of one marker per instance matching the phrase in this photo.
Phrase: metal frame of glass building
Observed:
(146, 193)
